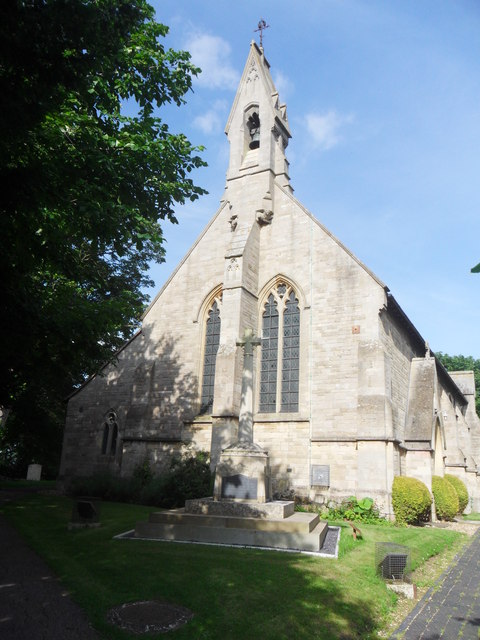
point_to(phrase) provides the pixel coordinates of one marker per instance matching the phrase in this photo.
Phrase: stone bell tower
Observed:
(258, 132)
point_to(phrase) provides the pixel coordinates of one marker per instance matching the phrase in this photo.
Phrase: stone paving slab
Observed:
(451, 609)
(34, 605)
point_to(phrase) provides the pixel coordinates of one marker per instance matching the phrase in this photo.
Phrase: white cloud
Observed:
(325, 129)
(213, 119)
(211, 54)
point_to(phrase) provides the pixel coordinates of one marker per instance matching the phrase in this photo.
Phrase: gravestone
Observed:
(85, 513)
(34, 472)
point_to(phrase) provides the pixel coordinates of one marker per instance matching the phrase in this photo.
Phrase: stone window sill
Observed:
(280, 417)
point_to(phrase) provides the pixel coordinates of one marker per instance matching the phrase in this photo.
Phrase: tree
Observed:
(84, 190)
(463, 363)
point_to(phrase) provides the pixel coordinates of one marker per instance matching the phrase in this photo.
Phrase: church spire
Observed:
(257, 127)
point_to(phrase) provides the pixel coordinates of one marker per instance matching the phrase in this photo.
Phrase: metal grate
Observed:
(392, 561)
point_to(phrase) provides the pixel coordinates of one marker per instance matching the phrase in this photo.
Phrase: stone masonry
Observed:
(368, 400)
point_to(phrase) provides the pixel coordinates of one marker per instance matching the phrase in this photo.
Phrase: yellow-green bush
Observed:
(446, 499)
(411, 500)
(461, 490)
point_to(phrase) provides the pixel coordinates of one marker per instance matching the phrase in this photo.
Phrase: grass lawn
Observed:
(26, 484)
(234, 593)
(471, 516)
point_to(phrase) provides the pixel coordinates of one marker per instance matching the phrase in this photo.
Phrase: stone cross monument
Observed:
(243, 471)
(245, 421)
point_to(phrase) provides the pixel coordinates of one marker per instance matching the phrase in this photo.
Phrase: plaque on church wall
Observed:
(320, 475)
(239, 487)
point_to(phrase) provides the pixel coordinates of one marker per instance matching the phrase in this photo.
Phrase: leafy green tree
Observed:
(85, 188)
(463, 363)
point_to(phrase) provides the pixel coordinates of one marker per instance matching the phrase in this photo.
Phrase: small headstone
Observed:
(85, 513)
(34, 472)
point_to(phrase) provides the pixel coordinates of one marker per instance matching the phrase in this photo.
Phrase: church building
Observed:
(346, 393)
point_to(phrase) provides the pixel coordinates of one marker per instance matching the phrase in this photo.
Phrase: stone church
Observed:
(346, 393)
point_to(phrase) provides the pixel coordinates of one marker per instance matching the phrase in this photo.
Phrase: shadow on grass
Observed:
(234, 593)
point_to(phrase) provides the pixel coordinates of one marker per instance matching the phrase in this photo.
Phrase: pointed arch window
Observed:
(110, 434)
(280, 359)
(212, 340)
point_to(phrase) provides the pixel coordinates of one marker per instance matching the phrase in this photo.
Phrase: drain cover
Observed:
(150, 616)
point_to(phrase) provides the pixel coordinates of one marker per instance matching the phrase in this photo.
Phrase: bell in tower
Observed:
(253, 124)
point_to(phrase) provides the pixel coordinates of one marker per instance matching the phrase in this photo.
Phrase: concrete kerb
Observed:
(333, 536)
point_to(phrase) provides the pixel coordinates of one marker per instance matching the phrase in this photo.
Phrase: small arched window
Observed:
(212, 340)
(113, 441)
(110, 434)
(106, 431)
(280, 359)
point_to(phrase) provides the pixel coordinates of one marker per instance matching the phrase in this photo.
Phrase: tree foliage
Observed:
(85, 188)
(463, 363)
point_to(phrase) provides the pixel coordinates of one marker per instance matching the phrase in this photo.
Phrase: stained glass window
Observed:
(291, 354)
(268, 368)
(113, 443)
(106, 430)
(280, 359)
(110, 434)
(212, 340)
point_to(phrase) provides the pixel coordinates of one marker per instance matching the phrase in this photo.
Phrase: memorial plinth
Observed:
(243, 474)
(273, 525)
(241, 511)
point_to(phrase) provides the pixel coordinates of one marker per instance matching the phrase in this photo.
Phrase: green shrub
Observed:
(187, 478)
(363, 510)
(411, 500)
(446, 499)
(143, 473)
(106, 486)
(461, 490)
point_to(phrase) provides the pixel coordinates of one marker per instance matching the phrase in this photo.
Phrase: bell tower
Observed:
(258, 133)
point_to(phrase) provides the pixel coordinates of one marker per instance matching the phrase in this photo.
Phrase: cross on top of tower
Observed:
(262, 25)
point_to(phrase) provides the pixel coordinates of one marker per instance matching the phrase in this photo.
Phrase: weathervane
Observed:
(262, 25)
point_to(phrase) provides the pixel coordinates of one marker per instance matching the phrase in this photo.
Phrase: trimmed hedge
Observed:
(446, 499)
(461, 490)
(411, 500)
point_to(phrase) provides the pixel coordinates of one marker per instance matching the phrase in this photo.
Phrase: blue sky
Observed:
(383, 100)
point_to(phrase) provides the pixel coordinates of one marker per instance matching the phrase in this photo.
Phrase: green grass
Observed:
(27, 484)
(471, 516)
(234, 593)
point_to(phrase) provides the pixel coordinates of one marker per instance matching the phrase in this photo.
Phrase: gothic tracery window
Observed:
(280, 359)
(110, 434)
(212, 340)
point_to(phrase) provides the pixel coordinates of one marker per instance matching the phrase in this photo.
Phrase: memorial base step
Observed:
(300, 531)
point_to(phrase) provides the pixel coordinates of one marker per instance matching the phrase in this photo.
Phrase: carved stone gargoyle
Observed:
(264, 216)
